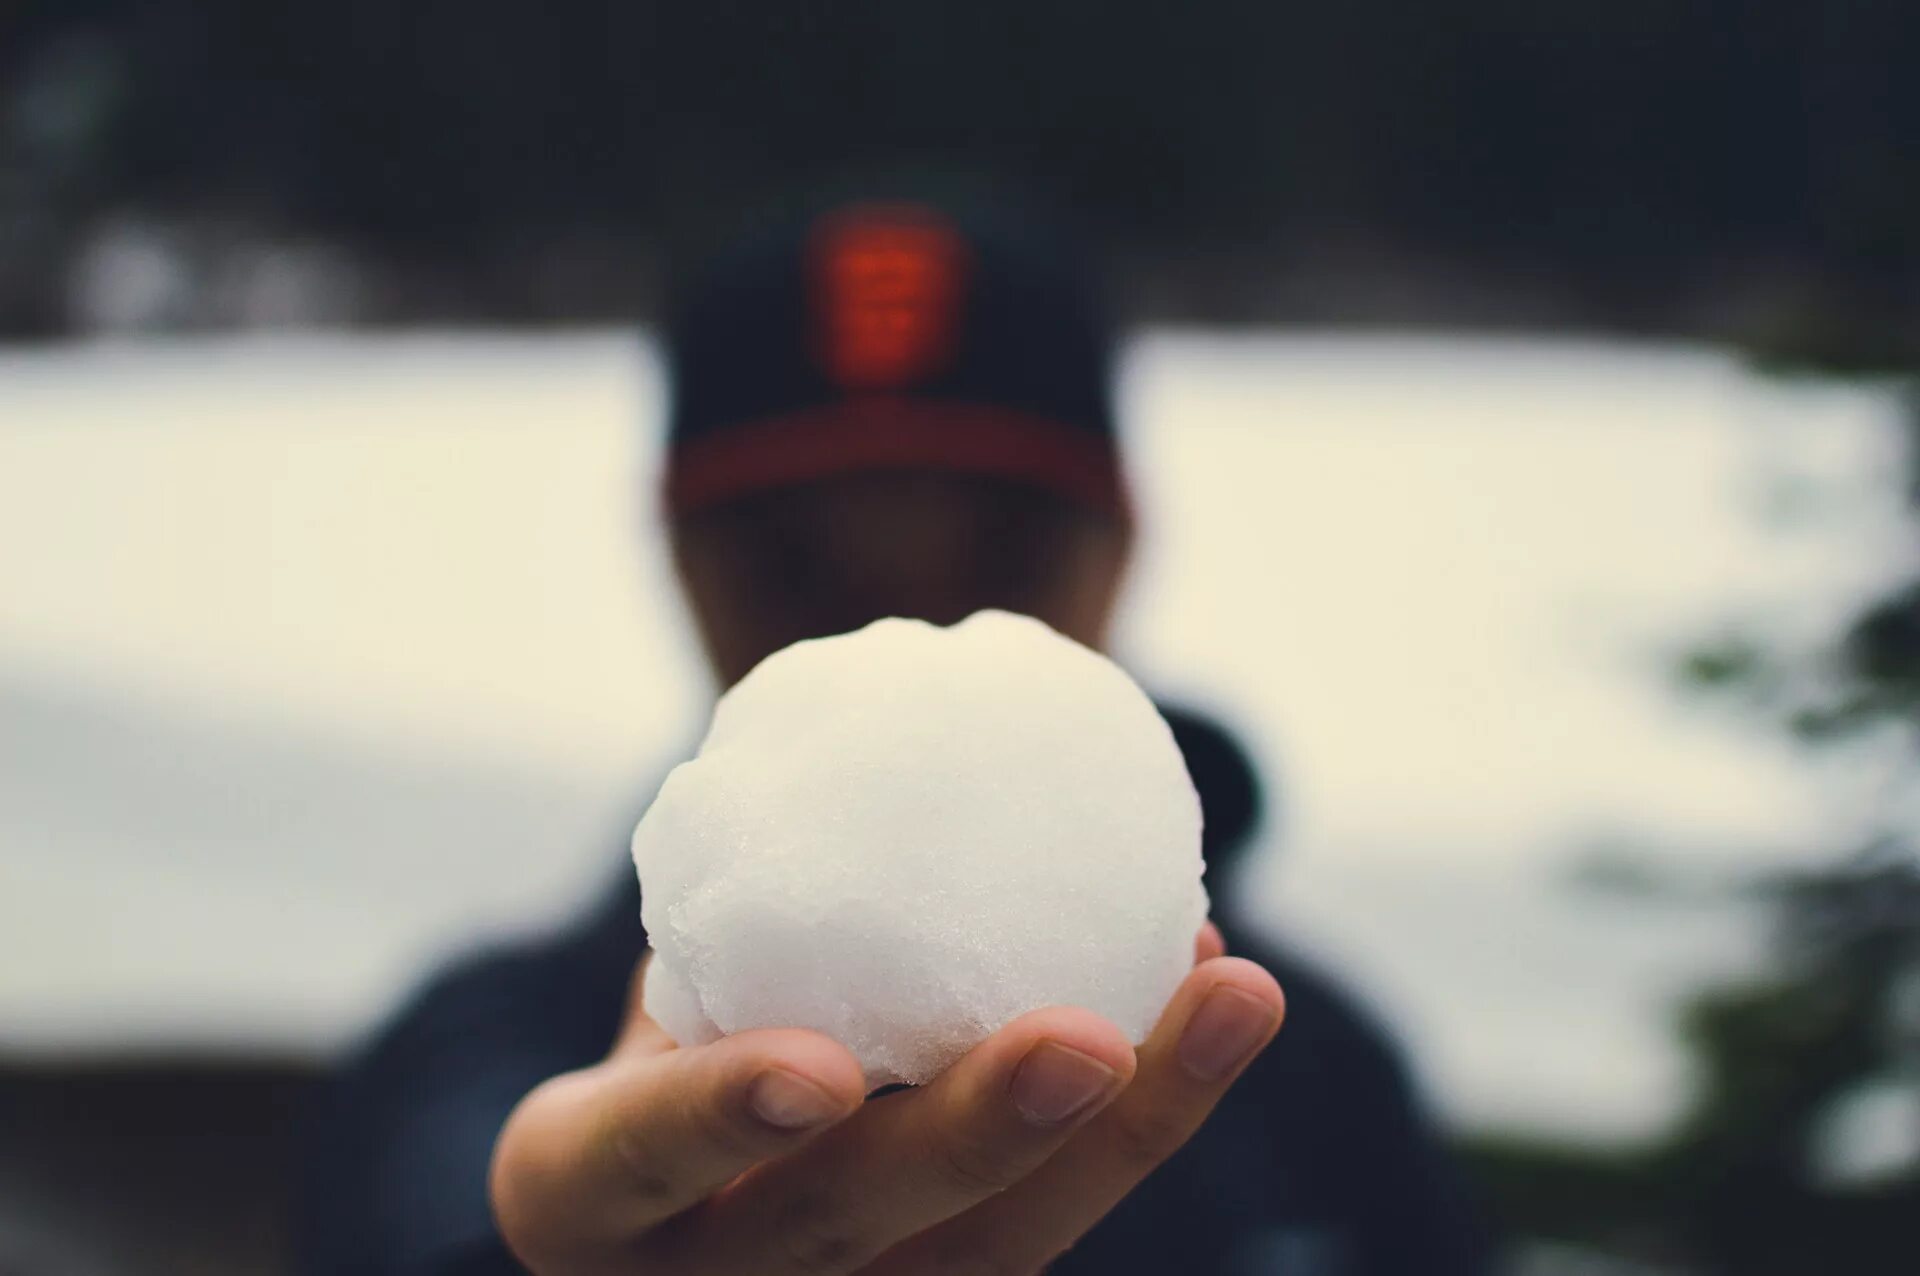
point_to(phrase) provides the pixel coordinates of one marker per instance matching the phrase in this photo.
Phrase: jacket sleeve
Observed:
(395, 1176)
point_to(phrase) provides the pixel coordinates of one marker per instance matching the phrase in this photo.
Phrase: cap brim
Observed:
(894, 433)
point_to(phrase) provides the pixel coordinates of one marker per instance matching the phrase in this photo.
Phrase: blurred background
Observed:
(1524, 412)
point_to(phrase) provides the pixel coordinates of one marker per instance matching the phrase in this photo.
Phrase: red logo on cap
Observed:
(887, 280)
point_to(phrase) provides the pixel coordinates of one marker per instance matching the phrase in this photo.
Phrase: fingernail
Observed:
(1223, 1032)
(1056, 1083)
(791, 1102)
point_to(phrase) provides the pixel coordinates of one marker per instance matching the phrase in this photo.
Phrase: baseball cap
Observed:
(892, 334)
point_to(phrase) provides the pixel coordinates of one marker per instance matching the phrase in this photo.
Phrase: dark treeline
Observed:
(1638, 163)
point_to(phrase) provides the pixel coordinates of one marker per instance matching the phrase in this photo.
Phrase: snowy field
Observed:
(319, 657)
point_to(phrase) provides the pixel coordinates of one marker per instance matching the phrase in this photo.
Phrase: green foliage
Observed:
(1775, 1056)
(1732, 662)
(1736, 1187)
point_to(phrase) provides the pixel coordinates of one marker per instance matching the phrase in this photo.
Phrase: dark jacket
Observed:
(1319, 1162)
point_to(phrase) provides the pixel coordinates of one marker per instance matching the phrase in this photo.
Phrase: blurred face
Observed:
(832, 556)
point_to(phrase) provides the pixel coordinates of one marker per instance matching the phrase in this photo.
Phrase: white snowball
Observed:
(908, 836)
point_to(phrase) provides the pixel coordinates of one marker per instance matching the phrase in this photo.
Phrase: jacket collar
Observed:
(1231, 802)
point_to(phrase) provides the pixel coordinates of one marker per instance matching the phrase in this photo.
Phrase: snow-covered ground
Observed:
(321, 656)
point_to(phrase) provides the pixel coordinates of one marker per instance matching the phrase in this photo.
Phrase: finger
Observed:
(1223, 1015)
(1210, 943)
(594, 1158)
(912, 1159)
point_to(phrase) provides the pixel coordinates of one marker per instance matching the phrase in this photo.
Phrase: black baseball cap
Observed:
(901, 334)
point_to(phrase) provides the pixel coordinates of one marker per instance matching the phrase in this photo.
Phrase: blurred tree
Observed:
(1766, 1173)
(1710, 165)
(1800, 1148)
(1759, 1187)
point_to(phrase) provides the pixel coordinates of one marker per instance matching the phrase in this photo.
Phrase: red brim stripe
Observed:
(881, 433)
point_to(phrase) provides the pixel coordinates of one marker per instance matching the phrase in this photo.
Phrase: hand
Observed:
(756, 1154)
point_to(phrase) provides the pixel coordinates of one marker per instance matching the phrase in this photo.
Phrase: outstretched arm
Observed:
(395, 1168)
(756, 1154)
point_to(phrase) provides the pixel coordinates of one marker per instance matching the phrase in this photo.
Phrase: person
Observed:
(888, 408)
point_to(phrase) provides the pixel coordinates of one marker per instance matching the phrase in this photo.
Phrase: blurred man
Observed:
(888, 409)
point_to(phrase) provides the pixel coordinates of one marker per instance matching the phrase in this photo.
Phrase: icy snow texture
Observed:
(907, 836)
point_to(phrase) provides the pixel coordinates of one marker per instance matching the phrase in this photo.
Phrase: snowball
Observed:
(907, 836)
